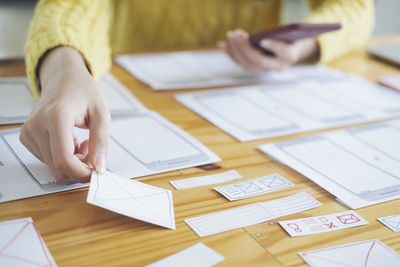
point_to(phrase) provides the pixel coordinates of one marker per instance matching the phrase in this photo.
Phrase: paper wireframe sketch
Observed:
(360, 166)
(371, 253)
(265, 111)
(132, 198)
(322, 224)
(253, 187)
(247, 215)
(21, 245)
(198, 255)
(134, 151)
(17, 101)
(392, 222)
(217, 178)
(199, 69)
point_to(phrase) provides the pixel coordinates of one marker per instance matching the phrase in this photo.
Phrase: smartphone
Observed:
(293, 32)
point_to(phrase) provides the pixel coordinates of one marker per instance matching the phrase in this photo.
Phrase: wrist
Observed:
(60, 64)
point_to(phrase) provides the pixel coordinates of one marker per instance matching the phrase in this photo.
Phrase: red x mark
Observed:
(330, 225)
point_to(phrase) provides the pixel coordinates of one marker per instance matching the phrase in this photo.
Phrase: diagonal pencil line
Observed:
(24, 260)
(368, 254)
(42, 245)
(139, 202)
(14, 238)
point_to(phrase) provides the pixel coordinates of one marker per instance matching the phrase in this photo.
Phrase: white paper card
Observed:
(392, 222)
(322, 224)
(371, 253)
(217, 178)
(253, 187)
(21, 245)
(360, 166)
(291, 204)
(230, 219)
(265, 111)
(199, 69)
(132, 198)
(198, 255)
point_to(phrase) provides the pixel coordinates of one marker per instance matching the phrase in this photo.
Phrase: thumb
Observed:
(98, 138)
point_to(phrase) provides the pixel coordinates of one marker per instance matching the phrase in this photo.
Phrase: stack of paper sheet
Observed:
(179, 70)
(16, 99)
(257, 112)
(360, 166)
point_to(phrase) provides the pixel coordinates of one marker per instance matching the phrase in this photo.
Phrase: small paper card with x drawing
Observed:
(132, 198)
(254, 187)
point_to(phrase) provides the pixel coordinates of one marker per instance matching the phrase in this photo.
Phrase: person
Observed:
(70, 44)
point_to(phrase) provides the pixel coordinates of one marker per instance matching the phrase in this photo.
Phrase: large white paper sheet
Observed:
(132, 198)
(371, 253)
(17, 101)
(21, 245)
(360, 166)
(141, 144)
(198, 255)
(264, 111)
(199, 69)
(259, 212)
(217, 178)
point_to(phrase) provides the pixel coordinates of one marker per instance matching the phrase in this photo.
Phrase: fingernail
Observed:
(229, 33)
(100, 163)
(265, 43)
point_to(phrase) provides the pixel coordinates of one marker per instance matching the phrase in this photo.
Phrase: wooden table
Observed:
(79, 234)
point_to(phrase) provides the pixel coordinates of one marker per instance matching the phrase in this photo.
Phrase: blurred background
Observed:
(15, 16)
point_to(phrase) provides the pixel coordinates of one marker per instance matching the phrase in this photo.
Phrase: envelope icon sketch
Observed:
(348, 218)
(371, 253)
(249, 187)
(132, 198)
(22, 245)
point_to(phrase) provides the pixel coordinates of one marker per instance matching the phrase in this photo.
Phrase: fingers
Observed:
(238, 47)
(284, 51)
(99, 126)
(62, 149)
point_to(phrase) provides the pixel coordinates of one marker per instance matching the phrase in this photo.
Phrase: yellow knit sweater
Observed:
(97, 28)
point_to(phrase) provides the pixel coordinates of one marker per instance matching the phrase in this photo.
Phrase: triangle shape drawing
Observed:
(27, 247)
(132, 198)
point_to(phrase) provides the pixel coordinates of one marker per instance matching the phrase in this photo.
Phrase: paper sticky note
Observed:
(230, 219)
(217, 178)
(253, 187)
(322, 224)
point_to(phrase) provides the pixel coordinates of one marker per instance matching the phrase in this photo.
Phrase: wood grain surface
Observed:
(79, 234)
